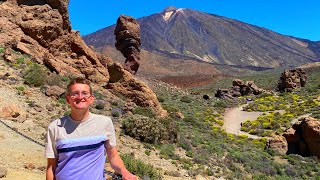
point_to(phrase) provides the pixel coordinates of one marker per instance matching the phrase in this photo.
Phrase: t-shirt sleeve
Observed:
(111, 134)
(50, 148)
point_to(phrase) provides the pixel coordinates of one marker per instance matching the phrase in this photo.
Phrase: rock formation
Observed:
(42, 30)
(121, 81)
(302, 138)
(278, 144)
(127, 34)
(239, 88)
(292, 79)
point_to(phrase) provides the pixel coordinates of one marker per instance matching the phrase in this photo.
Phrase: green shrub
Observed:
(186, 99)
(221, 104)
(62, 100)
(150, 130)
(190, 154)
(2, 50)
(99, 95)
(100, 106)
(20, 60)
(171, 108)
(147, 152)
(31, 103)
(167, 152)
(160, 98)
(139, 168)
(35, 75)
(55, 80)
(144, 111)
(20, 88)
(116, 112)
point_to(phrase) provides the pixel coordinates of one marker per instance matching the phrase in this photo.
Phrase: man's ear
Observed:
(68, 99)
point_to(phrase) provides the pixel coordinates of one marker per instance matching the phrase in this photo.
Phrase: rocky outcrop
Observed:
(127, 34)
(292, 79)
(239, 88)
(278, 144)
(42, 30)
(54, 91)
(121, 81)
(302, 138)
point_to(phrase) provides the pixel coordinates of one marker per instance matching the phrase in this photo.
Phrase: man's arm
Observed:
(117, 164)
(51, 166)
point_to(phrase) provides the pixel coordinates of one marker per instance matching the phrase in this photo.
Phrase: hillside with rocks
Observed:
(42, 30)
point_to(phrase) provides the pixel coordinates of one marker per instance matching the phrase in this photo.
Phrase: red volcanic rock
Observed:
(303, 138)
(42, 30)
(127, 34)
(292, 79)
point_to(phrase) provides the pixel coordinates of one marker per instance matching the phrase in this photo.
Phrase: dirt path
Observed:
(16, 152)
(235, 116)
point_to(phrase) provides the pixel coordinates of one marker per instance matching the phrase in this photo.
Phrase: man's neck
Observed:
(79, 115)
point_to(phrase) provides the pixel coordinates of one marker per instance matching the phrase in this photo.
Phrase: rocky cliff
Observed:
(42, 30)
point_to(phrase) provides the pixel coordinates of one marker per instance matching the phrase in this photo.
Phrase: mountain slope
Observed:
(192, 34)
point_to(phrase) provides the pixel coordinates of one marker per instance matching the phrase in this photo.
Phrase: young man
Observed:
(76, 144)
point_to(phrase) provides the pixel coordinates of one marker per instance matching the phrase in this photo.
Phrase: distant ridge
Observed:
(190, 34)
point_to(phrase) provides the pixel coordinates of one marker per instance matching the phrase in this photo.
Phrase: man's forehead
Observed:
(80, 87)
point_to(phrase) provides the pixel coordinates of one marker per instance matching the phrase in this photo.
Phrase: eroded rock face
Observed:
(123, 82)
(239, 88)
(302, 138)
(41, 29)
(292, 79)
(127, 34)
(278, 144)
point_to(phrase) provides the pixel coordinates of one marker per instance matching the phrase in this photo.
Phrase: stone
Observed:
(179, 115)
(55, 91)
(278, 144)
(49, 107)
(237, 82)
(10, 111)
(303, 137)
(239, 88)
(3, 172)
(292, 79)
(29, 166)
(134, 90)
(127, 34)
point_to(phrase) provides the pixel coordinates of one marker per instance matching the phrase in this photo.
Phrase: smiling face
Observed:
(79, 97)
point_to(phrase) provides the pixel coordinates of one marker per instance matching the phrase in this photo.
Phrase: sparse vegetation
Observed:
(139, 168)
(35, 75)
(151, 130)
(144, 111)
(239, 157)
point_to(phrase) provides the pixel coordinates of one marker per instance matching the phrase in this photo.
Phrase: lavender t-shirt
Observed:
(80, 146)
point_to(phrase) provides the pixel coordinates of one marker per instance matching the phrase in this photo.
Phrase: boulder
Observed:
(239, 88)
(303, 137)
(122, 82)
(278, 144)
(3, 172)
(55, 91)
(292, 79)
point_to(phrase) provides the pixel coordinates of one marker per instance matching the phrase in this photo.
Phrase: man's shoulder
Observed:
(57, 122)
(101, 117)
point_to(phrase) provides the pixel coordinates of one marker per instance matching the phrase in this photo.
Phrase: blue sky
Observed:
(299, 18)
